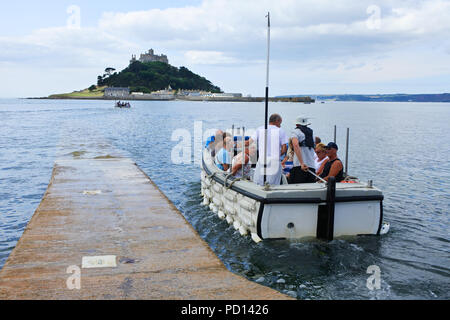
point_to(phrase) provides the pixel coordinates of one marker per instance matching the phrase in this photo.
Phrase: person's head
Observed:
(317, 140)
(218, 140)
(332, 149)
(252, 151)
(227, 143)
(302, 121)
(321, 151)
(275, 120)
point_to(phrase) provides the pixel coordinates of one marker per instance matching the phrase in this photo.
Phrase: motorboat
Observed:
(292, 211)
(122, 105)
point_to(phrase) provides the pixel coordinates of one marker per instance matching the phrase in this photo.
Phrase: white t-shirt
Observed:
(319, 162)
(307, 153)
(276, 138)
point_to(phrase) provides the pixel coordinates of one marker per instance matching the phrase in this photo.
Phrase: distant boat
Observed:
(122, 105)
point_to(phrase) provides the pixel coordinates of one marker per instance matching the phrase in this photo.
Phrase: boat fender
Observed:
(243, 231)
(217, 188)
(229, 219)
(236, 225)
(247, 206)
(213, 207)
(207, 193)
(217, 201)
(221, 214)
(207, 182)
(230, 209)
(385, 228)
(256, 238)
(205, 201)
(230, 197)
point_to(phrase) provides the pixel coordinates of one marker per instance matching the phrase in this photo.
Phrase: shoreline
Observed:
(206, 99)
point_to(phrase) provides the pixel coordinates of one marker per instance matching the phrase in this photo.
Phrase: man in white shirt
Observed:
(303, 143)
(276, 146)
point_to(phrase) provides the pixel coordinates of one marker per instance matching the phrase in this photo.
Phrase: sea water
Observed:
(402, 147)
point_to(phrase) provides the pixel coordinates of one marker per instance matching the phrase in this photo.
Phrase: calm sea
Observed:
(402, 147)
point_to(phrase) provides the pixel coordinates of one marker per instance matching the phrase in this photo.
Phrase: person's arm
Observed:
(319, 172)
(298, 152)
(238, 165)
(334, 170)
(226, 161)
(283, 149)
(236, 168)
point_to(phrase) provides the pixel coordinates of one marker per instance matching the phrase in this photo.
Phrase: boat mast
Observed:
(267, 98)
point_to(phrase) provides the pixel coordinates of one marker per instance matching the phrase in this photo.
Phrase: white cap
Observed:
(302, 120)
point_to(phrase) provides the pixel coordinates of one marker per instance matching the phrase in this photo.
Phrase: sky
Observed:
(317, 46)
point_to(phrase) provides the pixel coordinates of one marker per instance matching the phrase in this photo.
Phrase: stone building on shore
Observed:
(116, 92)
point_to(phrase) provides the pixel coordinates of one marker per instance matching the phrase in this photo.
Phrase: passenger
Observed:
(223, 156)
(289, 154)
(303, 142)
(218, 143)
(333, 167)
(212, 139)
(237, 163)
(317, 140)
(321, 156)
(288, 159)
(276, 146)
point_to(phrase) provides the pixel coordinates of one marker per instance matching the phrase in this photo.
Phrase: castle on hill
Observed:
(150, 57)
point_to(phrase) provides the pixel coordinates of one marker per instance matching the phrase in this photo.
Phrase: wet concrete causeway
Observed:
(104, 231)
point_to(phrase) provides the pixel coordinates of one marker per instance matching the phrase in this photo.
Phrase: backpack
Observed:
(309, 137)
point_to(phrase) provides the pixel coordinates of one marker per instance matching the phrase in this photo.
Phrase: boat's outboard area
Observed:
(292, 210)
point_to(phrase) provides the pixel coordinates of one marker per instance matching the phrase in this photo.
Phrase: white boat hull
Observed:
(291, 211)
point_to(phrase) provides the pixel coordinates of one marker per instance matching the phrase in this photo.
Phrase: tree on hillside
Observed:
(109, 71)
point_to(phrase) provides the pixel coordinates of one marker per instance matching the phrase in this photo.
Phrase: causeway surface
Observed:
(109, 207)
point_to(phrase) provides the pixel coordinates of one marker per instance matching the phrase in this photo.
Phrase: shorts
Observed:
(297, 175)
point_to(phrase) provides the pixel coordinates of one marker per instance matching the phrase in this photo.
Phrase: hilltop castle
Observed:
(150, 57)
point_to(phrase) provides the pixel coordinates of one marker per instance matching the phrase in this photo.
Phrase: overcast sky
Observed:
(317, 47)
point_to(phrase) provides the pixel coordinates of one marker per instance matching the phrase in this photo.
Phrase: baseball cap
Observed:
(332, 145)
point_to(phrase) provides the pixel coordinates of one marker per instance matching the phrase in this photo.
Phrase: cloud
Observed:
(208, 57)
(345, 38)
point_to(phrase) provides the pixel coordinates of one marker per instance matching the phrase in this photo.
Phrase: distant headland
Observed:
(399, 97)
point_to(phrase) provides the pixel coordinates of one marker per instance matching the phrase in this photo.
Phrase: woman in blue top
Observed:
(223, 156)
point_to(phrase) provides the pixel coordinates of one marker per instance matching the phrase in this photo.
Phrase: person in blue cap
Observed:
(333, 167)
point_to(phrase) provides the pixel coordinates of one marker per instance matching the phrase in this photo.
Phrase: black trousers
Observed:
(297, 175)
